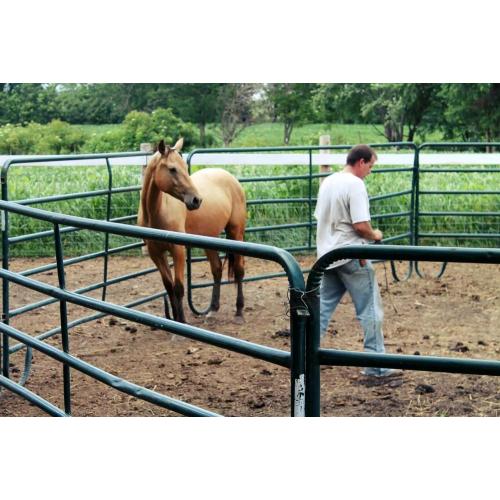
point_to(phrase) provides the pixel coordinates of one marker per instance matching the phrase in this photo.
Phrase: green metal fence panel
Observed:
(401, 207)
(315, 356)
(298, 309)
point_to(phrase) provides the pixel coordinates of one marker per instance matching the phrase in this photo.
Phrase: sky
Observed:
(259, 41)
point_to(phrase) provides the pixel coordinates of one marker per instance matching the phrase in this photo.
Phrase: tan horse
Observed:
(208, 202)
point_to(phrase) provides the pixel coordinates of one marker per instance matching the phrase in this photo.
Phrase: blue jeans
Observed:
(361, 283)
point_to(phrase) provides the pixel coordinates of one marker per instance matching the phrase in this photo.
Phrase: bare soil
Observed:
(457, 315)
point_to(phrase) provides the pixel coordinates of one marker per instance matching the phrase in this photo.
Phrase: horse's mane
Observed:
(146, 188)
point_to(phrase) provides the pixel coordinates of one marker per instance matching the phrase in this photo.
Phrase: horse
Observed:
(206, 203)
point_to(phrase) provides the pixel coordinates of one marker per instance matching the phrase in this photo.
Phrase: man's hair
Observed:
(360, 152)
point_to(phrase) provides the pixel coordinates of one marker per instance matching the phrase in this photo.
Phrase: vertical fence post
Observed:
(324, 140)
(4, 363)
(63, 310)
(148, 148)
(310, 202)
(298, 319)
(313, 374)
(106, 235)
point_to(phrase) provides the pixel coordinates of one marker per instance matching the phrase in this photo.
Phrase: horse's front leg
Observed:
(159, 258)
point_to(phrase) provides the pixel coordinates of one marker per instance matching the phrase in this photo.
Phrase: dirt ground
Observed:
(457, 315)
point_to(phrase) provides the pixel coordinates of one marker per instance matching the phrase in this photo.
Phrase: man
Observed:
(343, 215)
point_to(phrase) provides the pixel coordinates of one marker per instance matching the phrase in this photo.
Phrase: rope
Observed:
(301, 296)
(388, 290)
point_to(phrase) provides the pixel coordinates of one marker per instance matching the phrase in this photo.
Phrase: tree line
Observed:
(466, 112)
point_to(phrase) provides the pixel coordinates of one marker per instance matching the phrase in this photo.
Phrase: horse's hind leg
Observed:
(216, 267)
(237, 263)
(239, 274)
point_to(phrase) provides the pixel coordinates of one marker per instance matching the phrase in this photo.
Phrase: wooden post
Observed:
(145, 147)
(324, 140)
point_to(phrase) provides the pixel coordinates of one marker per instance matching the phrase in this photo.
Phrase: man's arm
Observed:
(365, 230)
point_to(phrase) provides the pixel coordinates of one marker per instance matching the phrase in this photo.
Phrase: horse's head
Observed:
(172, 176)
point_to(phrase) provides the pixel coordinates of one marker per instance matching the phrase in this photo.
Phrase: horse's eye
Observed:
(173, 170)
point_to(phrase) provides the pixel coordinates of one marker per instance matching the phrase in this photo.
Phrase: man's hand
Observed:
(377, 235)
(365, 230)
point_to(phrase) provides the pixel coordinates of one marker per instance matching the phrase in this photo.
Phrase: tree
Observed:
(235, 102)
(472, 111)
(340, 102)
(27, 102)
(292, 103)
(197, 103)
(400, 105)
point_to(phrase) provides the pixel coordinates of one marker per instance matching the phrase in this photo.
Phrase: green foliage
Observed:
(404, 110)
(22, 103)
(400, 106)
(292, 104)
(340, 102)
(471, 111)
(139, 127)
(57, 137)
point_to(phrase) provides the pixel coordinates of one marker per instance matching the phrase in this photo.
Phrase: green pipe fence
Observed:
(410, 217)
(293, 360)
(409, 209)
(30, 163)
(316, 356)
(427, 219)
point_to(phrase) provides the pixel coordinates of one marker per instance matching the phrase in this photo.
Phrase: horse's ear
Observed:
(161, 147)
(179, 144)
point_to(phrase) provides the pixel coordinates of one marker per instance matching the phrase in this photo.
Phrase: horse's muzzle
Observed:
(192, 202)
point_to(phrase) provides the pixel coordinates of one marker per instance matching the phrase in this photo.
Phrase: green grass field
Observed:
(271, 134)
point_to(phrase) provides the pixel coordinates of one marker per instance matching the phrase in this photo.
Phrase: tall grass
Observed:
(34, 182)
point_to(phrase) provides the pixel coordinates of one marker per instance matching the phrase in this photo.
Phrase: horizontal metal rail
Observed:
(74, 196)
(391, 215)
(459, 170)
(264, 353)
(276, 227)
(89, 288)
(460, 214)
(66, 230)
(86, 319)
(82, 258)
(390, 195)
(107, 378)
(33, 398)
(460, 235)
(315, 356)
(335, 357)
(461, 192)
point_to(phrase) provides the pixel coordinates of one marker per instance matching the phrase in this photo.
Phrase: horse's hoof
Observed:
(239, 320)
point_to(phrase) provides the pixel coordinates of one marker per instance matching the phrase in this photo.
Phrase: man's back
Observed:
(342, 202)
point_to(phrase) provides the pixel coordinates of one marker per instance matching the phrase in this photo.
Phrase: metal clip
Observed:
(301, 311)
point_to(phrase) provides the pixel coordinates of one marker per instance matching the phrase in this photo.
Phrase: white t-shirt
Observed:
(342, 202)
